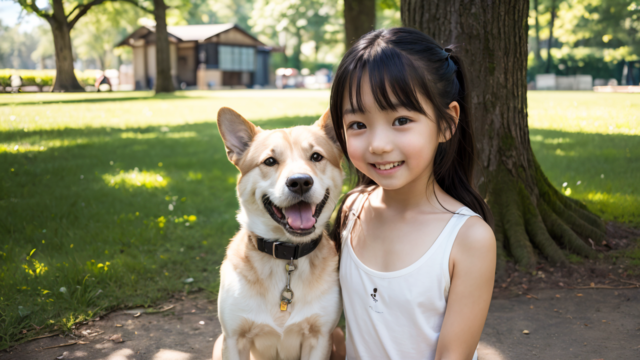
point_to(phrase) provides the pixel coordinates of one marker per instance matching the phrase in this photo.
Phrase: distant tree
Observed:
(99, 31)
(62, 22)
(550, 41)
(530, 213)
(536, 9)
(359, 18)
(16, 47)
(164, 81)
(292, 22)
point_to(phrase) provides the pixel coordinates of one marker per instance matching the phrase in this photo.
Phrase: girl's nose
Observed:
(380, 146)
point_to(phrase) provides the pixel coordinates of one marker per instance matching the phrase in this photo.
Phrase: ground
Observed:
(118, 200)
(561, 324)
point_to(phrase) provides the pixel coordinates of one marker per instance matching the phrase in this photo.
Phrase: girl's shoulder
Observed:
(353, 197)
(475, 239)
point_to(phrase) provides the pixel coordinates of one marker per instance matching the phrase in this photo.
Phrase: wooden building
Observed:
(206, 56)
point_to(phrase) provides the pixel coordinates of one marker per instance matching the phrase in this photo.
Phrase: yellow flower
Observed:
(192, 218)
(71, 246)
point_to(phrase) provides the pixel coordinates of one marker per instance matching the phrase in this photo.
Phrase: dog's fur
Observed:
(251, 281)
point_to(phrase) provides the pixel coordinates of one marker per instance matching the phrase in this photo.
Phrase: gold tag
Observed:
(283, 305)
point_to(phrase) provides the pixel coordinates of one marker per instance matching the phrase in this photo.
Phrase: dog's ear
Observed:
(326, 124)
(237, 133)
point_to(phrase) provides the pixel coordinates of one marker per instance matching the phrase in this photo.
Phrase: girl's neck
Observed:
(419, 193)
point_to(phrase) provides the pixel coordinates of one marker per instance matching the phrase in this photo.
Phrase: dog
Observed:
(279, 292)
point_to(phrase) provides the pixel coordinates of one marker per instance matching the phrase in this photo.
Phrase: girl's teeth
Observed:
(388, 166)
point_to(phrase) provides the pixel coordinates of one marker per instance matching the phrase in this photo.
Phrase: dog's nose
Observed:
(300, 183)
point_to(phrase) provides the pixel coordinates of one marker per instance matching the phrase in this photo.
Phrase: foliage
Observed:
(16, 47)
(302, 26)
(590, 36)
(43, 77)
(387, 14)
(99, 31)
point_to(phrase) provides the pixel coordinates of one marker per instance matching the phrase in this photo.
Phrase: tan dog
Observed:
(290, 181)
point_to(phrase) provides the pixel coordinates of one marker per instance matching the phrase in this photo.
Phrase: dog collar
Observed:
(286, 250)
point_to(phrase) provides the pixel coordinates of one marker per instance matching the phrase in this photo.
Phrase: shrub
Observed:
(45, 77)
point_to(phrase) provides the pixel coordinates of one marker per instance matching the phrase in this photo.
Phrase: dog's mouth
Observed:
(298, 219)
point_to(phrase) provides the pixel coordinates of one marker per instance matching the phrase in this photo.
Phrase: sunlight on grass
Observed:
(136, 178)
(32, 112)
(586, 112)
(619, 207)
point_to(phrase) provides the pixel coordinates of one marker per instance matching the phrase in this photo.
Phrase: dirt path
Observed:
(564, 327)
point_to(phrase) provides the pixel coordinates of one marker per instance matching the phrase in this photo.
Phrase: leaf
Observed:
(23, 311)
(116, 338)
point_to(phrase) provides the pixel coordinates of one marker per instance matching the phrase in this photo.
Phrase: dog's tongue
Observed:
(300, 216)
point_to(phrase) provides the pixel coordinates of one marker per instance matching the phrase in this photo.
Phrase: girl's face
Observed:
(393, 148)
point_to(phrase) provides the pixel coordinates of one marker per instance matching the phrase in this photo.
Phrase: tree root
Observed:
(547, 220)
(506, 198)
(574, 207)
(562, 233)
(537, 231)
(574, 222)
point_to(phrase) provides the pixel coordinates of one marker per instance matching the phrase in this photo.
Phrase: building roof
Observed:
(198, 32)
(185, 32)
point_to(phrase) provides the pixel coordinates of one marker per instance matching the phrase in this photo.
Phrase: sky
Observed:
(11, 12)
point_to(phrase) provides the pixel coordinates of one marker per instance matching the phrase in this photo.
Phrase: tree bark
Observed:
(531, 217)
(164, 82)
(537, 52)
(65, 80)
(550, 42)
(359, 19)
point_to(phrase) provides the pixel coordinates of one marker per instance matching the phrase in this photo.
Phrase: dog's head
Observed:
(290, 179)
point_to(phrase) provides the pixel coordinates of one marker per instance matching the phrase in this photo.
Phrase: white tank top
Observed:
(397, 315)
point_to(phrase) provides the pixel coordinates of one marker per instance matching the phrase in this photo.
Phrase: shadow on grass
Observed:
(75, 243)
(104, 99)
(600, 169)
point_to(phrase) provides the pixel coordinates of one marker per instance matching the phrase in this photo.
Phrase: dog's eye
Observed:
(315, 157)
(270, 161)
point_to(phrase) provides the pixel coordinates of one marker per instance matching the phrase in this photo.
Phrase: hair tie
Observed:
(448, 50)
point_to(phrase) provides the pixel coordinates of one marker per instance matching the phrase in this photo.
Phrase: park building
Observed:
(204, 56)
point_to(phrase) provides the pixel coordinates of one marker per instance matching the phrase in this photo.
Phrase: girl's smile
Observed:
(387, 167)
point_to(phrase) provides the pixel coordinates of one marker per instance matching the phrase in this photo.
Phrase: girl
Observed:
(417, 252)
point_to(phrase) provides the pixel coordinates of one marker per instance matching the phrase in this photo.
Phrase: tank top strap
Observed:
(459, 218)
(353, 214)
(454, 226)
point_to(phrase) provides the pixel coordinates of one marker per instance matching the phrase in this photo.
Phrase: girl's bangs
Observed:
(392, 78)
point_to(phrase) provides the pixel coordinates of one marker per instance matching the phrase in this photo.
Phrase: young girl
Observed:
(417, 252)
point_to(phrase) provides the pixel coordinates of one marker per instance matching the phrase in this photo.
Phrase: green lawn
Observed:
(116, 199)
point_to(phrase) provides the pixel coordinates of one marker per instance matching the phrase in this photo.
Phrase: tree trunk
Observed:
(550, 42)
(537, 53)
(531, 216)
(164, 82)
(297, 50)
(65, 80)
(359, 19)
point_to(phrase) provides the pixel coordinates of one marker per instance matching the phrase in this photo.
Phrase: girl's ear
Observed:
(326, 124)
(454, 110)
(237, 133)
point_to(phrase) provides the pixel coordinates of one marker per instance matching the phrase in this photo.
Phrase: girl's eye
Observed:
(315, 157)
(401, 121)
(270, 161)
(357, 126)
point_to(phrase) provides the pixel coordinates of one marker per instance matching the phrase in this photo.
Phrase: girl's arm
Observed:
(472, 267)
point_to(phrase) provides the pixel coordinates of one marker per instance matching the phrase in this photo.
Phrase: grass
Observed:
(116, 199)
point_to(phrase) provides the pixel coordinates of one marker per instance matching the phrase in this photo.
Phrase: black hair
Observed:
(406, 63)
